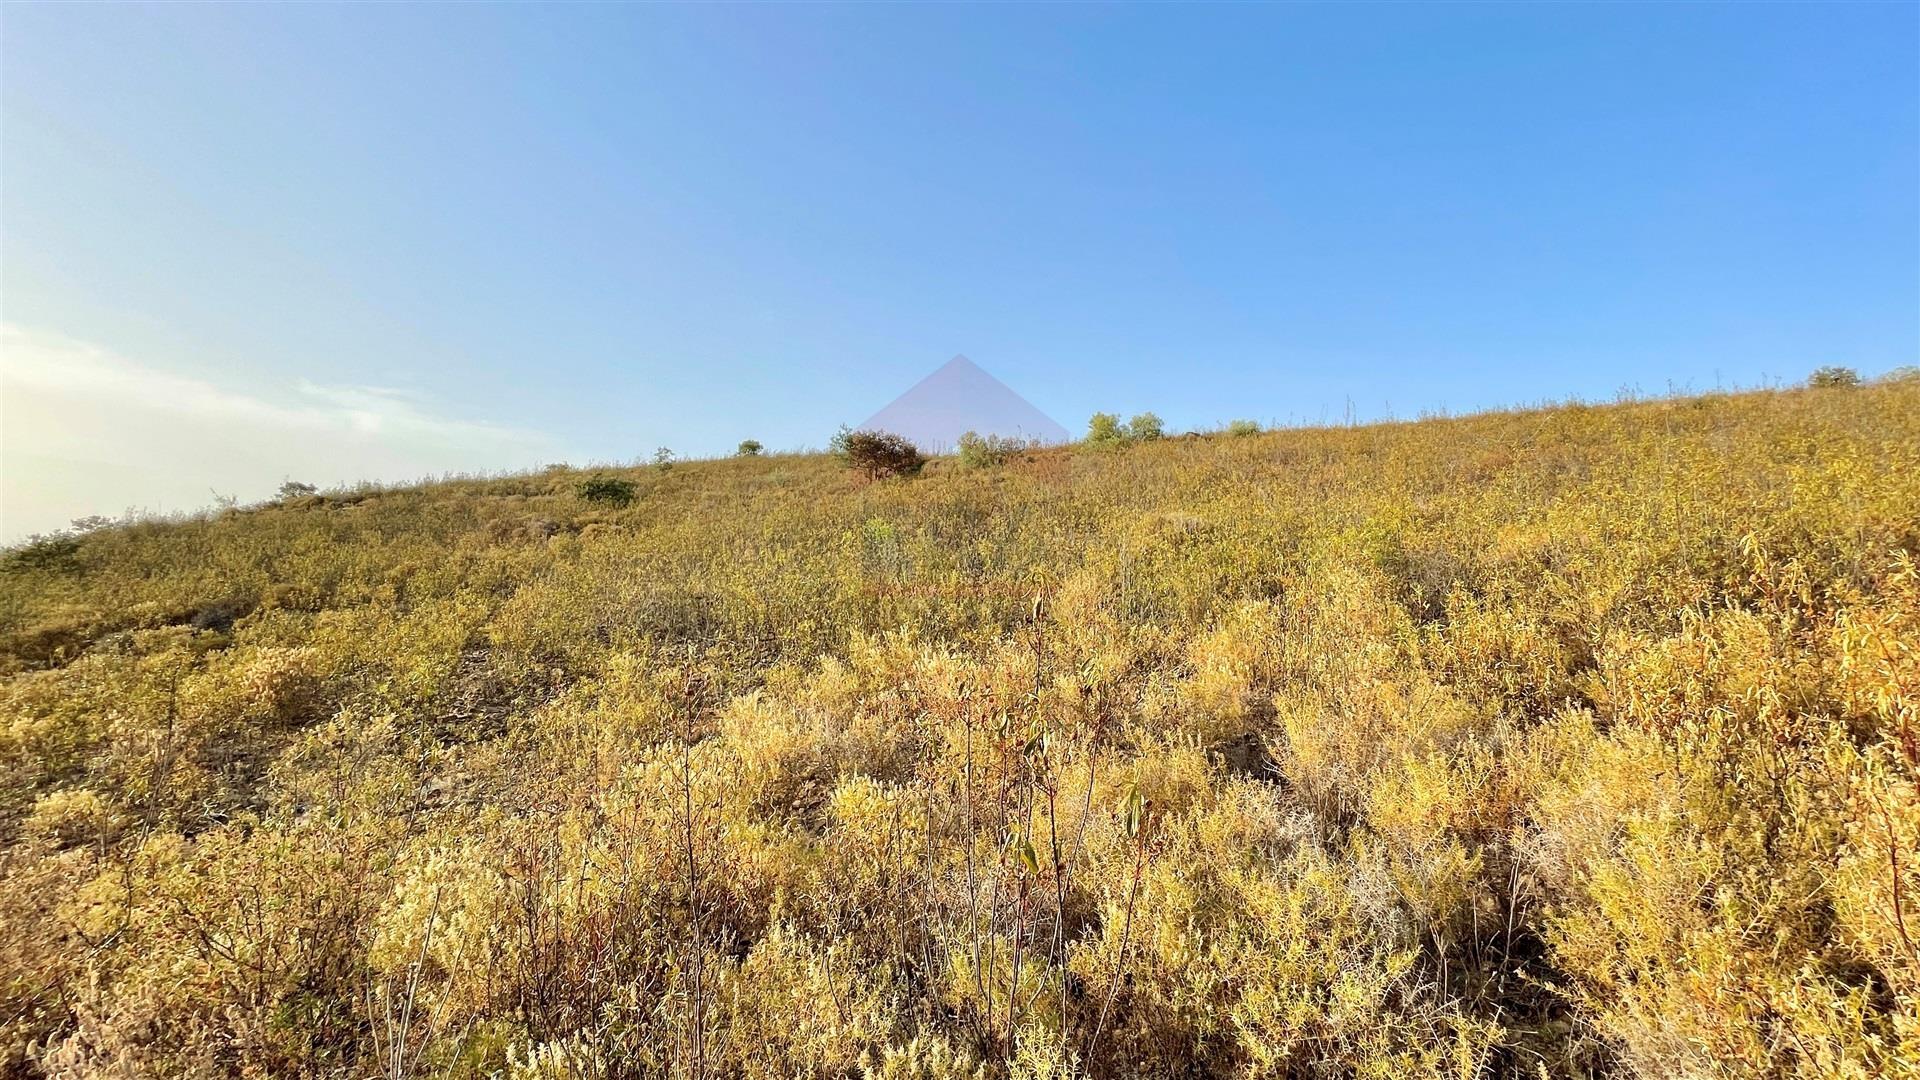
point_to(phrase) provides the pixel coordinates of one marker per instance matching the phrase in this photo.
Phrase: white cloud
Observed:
(84, 431)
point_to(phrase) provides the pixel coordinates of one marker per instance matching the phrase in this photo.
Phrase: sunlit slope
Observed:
(1581, 740)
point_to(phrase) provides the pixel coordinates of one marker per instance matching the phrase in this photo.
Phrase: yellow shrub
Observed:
(1577, 741)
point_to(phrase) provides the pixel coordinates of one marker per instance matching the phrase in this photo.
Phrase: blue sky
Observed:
(419, 238)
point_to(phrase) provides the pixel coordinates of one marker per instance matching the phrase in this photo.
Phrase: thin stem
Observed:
(1126, 934)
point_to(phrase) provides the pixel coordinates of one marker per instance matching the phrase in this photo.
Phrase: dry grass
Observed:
(1570, 742)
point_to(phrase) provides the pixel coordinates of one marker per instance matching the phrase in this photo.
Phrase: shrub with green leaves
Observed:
(1105, 429)
(978, 451)
(749, 448)
(877, 455)
(55, 552)
(606, 490)
(1833, 378)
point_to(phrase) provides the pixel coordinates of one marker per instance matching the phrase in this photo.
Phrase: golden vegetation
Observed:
(1571, 742)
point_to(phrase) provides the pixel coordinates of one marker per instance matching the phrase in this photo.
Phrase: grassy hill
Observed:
(1570, 742)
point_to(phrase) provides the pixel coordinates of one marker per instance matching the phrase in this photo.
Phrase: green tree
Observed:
(1144, 427)
(878, 454)
(1103, 429)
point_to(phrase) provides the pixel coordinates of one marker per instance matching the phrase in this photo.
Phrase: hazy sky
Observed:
(248, 242)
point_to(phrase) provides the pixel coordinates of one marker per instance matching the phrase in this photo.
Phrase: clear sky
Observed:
(240, 243)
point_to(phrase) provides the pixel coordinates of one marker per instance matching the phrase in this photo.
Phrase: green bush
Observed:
(749, 448)
(990, 451)
(1105, 429)
(1833, 378)
(606, 490)
(55, 552)
(877, 455)
(1240, 428)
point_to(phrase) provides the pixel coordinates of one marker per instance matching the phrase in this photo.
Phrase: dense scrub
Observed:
(1573, 742)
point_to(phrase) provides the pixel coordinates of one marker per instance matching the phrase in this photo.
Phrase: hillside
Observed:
(1579, 741)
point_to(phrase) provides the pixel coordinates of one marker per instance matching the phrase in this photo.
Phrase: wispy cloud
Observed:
(86, 431)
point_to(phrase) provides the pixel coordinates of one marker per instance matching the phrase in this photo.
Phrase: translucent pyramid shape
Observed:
(957, 398)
